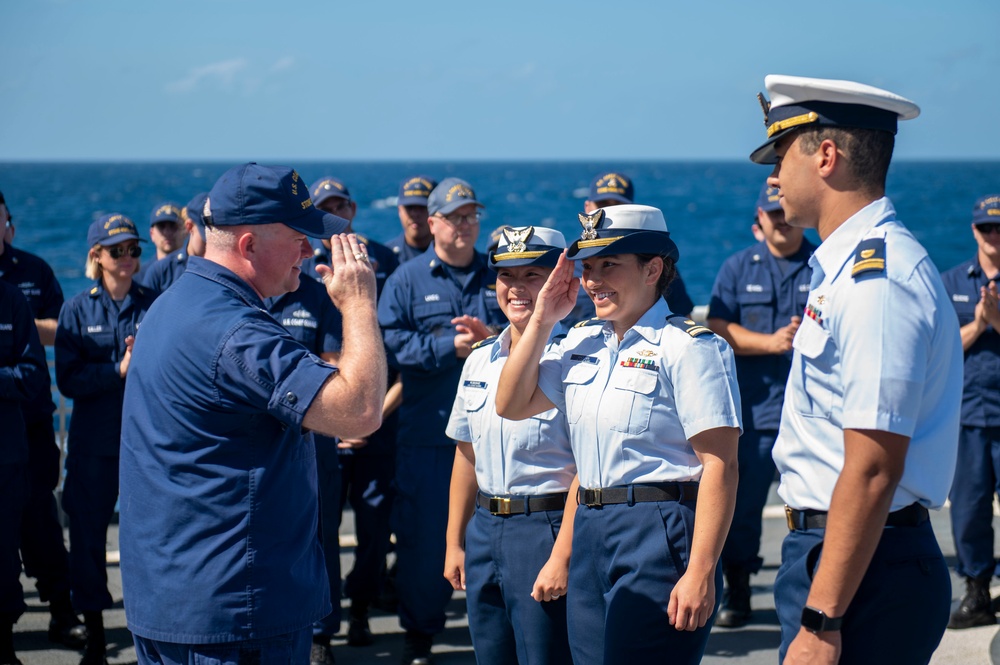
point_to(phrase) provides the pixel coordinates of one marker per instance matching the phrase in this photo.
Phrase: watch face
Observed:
(812, 619)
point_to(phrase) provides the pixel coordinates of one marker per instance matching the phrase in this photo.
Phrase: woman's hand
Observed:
(454, 567)
(558, 297)
(692, 600)
(126, 357)
(552, 580)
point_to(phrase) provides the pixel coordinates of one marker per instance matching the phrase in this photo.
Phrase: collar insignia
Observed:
(516, 238)
(590, 224)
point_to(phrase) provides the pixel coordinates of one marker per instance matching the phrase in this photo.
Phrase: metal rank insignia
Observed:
(517, 238)
(590, 224)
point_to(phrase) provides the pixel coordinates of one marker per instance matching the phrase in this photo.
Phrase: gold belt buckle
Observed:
(595, 498)
(788, 518)
(500, 505)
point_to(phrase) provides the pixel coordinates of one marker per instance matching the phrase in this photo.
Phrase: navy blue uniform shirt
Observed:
(40, 287)
(981, 389)
(161, 274)
(752, 291)
(90, 343)
(403, 251)
(23, 371)
(219, 505)
(415, 311)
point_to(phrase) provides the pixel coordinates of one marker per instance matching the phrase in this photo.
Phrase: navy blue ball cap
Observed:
(414, 191)
(195, 208)
(769, 199)
(450, 195)
(987, 210)
(257, 194)
(797, 102)
(612, 186)
(166, 212)
(111, 229)
(527, 246)
(329, 188)
(623, 229)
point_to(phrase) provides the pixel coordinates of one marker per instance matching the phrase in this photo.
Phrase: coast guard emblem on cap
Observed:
(591, 223)
(459, 191)
(516, 238)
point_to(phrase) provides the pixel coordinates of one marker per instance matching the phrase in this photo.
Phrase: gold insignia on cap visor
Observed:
(795, 121)
(590, 224)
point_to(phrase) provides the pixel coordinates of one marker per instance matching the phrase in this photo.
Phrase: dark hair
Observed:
(668, 274)
(868, 151)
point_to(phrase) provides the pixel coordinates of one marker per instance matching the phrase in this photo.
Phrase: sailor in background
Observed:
(510, 484)
(166, 231)
(869, 427)
(161, 274)
(972, 286)
(757, 305)
(654, 418)
(411, 203)
(97, 329)
(43, 550)
(432, 310)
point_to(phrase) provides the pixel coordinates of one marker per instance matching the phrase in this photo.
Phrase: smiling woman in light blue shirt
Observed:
(654, 417)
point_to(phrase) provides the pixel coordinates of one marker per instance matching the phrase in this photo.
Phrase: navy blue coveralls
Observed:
(23, 375)
(161, 274)
(42, 548)
(403, 251)
(90, 343)
(309, 316)
(977, 475)
(415, 311)
(752, 290)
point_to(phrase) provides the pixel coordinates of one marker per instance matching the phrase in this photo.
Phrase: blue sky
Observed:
(237, 79)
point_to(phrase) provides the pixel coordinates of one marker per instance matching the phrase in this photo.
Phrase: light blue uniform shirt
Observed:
(879, 350)
(519, 457)
(633, 407)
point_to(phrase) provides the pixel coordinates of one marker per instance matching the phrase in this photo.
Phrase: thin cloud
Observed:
(281, 64)
(222, 73)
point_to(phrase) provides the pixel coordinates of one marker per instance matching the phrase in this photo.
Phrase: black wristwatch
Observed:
(815, 621)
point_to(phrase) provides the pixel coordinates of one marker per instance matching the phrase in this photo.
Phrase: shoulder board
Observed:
(869, 257)
(485, 342)
(589, 322)
(689, 326)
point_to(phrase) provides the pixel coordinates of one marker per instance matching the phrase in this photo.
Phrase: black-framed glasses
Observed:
(472, 219)
(117, 251)
(988, 227)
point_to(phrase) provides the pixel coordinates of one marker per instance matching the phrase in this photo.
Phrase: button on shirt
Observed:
(23, 372)
(90, 344)
(878, 351)
(981, 392)
(415, 312)
(219, 507)
(518, 457)
(751, 290)
(633, 406)
(161, 274)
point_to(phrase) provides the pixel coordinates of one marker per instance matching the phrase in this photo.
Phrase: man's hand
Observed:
(352, 444)
(349, 279)
(454, 567)
(988, 306)
(781, 339)
(810, 648)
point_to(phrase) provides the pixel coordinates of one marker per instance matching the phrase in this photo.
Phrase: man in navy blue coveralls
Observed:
(972, 286)
(411, 204)
(23, 374)
(433, 309)
(221, 559)
(756, 305)
(43, 550)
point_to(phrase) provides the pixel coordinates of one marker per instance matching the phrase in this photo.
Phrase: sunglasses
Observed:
(117, 251)
(989, 227)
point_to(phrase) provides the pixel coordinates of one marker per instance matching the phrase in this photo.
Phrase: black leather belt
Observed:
(800, 520)
(638, 493)
(510, 505)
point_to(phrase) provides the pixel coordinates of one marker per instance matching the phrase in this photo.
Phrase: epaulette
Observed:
(589, 322)
(869, 257)
(689, 326)
(485, 342)
(93, 291)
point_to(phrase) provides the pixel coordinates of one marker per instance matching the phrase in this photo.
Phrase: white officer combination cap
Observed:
(797, 102)
(623, 229)
(527, 245)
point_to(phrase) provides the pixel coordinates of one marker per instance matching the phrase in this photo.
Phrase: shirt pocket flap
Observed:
(810, 339)
(547, 415)
(637, 381)
(754, 298)
(475, 399)
(581, 372)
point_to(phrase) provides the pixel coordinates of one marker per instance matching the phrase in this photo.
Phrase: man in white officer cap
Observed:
(869, 427)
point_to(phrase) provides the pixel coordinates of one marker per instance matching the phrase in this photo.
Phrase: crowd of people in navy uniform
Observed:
(541, 426)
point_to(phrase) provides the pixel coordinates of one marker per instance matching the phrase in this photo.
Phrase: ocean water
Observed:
(708, 205)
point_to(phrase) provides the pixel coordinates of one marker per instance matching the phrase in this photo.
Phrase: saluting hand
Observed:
(558, 297)
(349, 279)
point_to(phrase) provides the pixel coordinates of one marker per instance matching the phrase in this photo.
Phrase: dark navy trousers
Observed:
(626, 561)
(13, 492)
(89, 497)
(742, 548)
(328, 469)
(420, 521)
(900, 610)
(977, 480)
(287, 649)
(365, 482)
(503, 555)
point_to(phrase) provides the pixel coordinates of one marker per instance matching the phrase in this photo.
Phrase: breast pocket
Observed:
(756, 311)
(477, 412)
(633, 394)
(434, 317)
(99, 346)
(578, 380)
(813, 343)
(540, 427)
